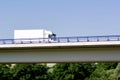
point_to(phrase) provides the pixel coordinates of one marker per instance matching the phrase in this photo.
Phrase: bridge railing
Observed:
(61, 39)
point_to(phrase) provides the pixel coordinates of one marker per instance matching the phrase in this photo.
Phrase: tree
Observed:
(107, 66)
(5, 72)
(72, 71)
(29, 72)
(103, 71)
(63, 71)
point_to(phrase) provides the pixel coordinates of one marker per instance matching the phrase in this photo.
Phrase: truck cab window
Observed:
(52, 36)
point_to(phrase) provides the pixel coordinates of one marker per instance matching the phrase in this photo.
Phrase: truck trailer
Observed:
(34, 35)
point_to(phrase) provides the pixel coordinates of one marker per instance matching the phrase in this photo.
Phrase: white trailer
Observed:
(36, 35)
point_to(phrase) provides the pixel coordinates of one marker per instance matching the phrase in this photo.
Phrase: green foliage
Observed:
(107, 66)
(103, 71)
(4, 72)
(72, 71)
(29, 72)
(63, 71)
(99, 74)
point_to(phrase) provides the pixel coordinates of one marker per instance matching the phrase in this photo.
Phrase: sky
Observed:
(63, 17)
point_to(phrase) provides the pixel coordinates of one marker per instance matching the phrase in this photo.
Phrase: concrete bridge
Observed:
(63, 49)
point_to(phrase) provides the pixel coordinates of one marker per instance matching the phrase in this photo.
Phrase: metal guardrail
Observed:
(61, 39)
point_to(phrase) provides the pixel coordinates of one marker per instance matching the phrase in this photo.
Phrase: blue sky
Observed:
(63, 17)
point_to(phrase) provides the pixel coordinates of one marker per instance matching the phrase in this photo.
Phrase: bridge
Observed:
(61, 49)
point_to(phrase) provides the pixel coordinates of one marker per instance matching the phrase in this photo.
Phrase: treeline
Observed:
(61, 71)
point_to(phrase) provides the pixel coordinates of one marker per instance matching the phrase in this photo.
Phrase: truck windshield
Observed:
(52, 36)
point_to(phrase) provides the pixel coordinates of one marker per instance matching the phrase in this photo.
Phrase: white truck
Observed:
(33, 36)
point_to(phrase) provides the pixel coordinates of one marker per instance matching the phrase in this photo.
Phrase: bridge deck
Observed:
(58, 45)
(85, 41)
(67, 49)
